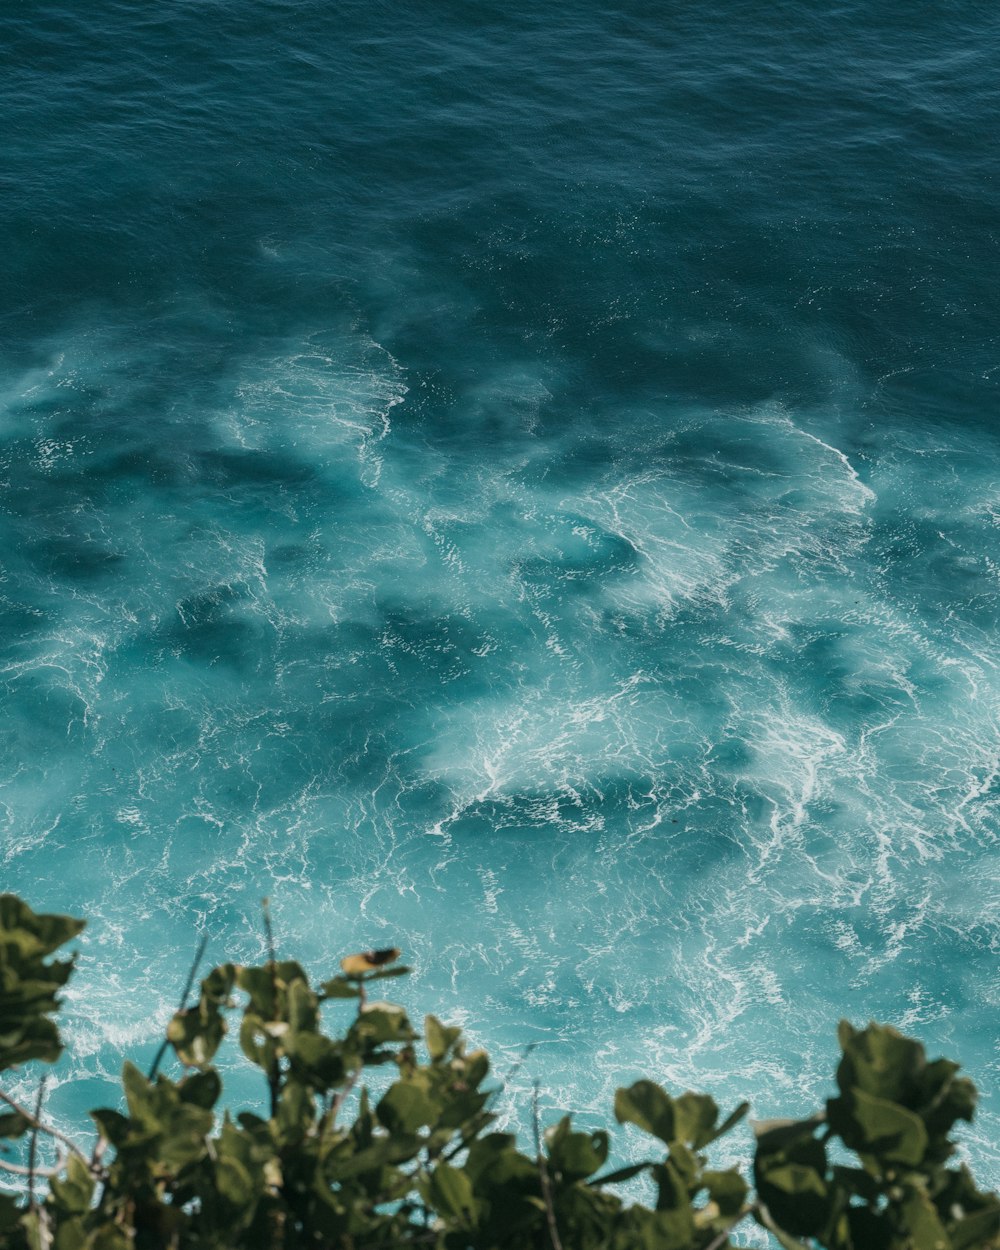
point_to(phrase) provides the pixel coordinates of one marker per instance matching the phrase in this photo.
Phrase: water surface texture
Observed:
(519, 482)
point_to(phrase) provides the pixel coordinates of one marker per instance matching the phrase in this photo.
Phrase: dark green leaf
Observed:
(439, 1037)
(12, 1124)
(886, 1130)
(648, 1106)
(728, 1190)
(201, 1088)
(339, 987)
(449, 1192)
(575, 1155)
(405, 1108)
(623, 1174)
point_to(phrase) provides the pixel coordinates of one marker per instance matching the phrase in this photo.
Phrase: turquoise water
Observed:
(523, 485)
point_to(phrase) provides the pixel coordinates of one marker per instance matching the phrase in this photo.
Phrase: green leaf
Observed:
(675, 1215)
(378, 1023)
(302, 1008)
(622, 1174)
(259, 984)
(70, 1234)
(575, 1155)
(112, 1125)
(887, 1130)
(39, 934)
(729, 1122)
(10, 1212)
(138, 1091)
(74, 1191)
(694, 1119)
(234, 1181)
(29, 982)
(339, 987)
(296, 1113)
(881, 1062)
(254, 1041)
(486, 1152)
(449, 1192)
(384, 973)
(404, 1108)
(925, 1229)
(728, 1190)
(109, 1237)
(789, 1169)
(36, 1038)
(648, 1106)
(196, 1034)
(784, 1239)
(858, 1181)
(202, 1089)
(975, 1230)
(12, 1124)
(793, 1178)
(440, 1038)
(318, 1060)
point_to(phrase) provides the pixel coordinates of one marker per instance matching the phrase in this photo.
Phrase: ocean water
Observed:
(521, 483)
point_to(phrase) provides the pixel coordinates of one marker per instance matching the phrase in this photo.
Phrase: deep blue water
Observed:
(521, 482)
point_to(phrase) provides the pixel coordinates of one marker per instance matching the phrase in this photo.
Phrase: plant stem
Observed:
(37, 1124)
(273, 1074)
(543, 1174)
(33, 1142)
(199, 955)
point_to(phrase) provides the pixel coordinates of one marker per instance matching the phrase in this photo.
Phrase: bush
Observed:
(322, 1164)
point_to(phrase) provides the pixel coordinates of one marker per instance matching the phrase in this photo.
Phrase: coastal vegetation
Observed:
(373, 1133)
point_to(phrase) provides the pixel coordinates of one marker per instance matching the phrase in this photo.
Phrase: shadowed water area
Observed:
(521, 484)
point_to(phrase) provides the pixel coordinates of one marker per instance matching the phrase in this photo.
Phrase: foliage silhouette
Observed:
(329, 1166)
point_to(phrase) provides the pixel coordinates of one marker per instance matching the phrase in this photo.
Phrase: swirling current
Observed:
(521, 483)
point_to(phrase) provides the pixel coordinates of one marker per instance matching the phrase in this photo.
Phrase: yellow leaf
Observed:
(368, 961)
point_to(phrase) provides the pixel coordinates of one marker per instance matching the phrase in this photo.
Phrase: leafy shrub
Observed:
(323, 1164)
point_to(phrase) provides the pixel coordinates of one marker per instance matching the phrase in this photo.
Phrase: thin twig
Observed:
(763, 1216)
(462, 1144)
(42, 1128)
(514, 1068)
(330, 1119)
(199, 955)
(341, 1097)
(265, 904)
(20, 1170)
(718, 1242)
(273, 1076)
(33, 1141)
(543, 1173)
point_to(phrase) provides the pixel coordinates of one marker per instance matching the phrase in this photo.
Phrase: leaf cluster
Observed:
(372, 1134)
(895, 1112)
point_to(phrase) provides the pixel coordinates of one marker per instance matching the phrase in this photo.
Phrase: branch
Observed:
(330, 1117)
(33, 1143)
(273, 1076)
(543, 1173)
(199, 955)
(37, 1124)
(724, 1236)
(718, 1242)
(514, 1068)
(20, 1170)
(341, 1097)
